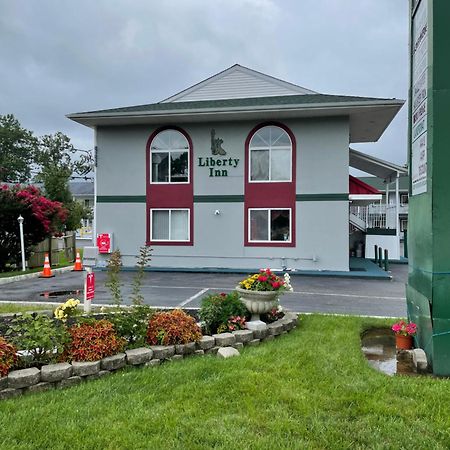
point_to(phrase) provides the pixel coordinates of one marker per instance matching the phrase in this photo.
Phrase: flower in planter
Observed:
(67, 309)
(404, 329)
(266, 280)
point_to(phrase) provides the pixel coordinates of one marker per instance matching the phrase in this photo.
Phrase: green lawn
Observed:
(310, 389)
(6, 308)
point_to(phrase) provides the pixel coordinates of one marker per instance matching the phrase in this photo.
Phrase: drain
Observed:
(56, 294)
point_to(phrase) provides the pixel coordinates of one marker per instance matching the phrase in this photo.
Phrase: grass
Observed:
(9, 308)
(310, 389)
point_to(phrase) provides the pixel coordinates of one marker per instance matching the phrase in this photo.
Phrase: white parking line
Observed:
(349, 295)
(188, 300)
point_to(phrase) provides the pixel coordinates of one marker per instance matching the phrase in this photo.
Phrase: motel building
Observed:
(240, 171)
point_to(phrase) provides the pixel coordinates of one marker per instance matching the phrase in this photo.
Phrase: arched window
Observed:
(169, 152)
(270, 155)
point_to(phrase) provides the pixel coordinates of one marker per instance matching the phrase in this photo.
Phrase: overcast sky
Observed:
(59, 57)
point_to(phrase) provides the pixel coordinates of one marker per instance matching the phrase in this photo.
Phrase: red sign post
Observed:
(90, 286)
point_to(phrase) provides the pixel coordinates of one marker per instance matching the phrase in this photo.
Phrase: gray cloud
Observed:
(59, 57)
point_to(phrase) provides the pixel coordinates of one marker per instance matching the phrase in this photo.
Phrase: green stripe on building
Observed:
(222, 198)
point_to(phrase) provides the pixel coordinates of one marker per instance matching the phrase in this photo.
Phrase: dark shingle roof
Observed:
(285, 100)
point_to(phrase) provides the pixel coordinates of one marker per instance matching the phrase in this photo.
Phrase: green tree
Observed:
(17, 151)
(57, 163)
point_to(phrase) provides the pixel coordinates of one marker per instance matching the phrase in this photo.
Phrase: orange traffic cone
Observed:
(47, 272)
(78, 267)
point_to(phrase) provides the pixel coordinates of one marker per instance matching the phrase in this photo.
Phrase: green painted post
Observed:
(386, 260)
(376, 253)
(428, 289)
(405, 243)
(380, 257)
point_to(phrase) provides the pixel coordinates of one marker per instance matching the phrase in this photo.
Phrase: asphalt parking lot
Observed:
(168, 289)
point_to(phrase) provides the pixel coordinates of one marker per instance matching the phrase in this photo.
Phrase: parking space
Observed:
(168, 289)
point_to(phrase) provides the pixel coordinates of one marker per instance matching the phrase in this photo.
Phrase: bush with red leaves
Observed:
(93, 341)
(173, 327)
(8, 356)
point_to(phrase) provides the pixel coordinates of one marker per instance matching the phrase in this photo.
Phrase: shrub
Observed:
(93, 340)
(132, 324)
(8, 356)
(41, 337)
(217, 310)
(174, 327)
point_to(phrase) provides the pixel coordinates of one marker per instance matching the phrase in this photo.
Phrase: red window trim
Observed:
(169, 195)
(274, 194)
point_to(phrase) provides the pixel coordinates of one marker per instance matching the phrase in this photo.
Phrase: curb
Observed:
(32, 275)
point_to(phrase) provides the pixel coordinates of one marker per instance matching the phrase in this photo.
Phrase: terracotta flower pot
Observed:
(403, 342)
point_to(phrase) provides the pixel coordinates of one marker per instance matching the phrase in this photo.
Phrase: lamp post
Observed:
(22, 243)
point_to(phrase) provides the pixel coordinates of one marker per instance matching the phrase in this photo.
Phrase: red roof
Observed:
(356, 186)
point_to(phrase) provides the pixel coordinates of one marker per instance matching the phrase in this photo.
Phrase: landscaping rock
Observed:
(275, 328)
(40, 387)
(113, 362)
(9, 393)
(3, 383)
(189, 348)
(85, 368)
(68, 382)
(260, 334)
(227, 352)
(138, 356)
(163, 351)
(238, 345)
(179, 349)
(269, 338)
(243, 335)
(212, 350)
(56, 372)
(23, 378)
(224, 339)
(98, 375)
(254, 342)
(153, 363)
(177, 357)
(420, 360)
(206, 342)
(199, 352)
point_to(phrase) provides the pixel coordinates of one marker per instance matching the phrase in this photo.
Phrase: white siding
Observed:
(238, 82)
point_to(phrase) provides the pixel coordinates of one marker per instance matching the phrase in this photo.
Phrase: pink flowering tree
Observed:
(42, 218)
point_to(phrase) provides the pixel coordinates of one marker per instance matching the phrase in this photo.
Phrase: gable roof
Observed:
(237, 82)
(358, 187)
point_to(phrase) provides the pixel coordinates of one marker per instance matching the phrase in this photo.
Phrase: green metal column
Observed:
(428, 289)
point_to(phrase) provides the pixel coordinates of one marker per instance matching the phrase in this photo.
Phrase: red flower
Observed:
(262, 278)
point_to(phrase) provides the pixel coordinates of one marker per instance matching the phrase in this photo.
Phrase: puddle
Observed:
(378, 346)
(56, 294)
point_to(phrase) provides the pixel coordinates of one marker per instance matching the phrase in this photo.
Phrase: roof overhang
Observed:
(375, 166)
(367, 120)
(364, 199)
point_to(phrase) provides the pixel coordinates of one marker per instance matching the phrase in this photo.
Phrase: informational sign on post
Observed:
(90, 286)
(104, 243)
(89, 289)
(419, 116)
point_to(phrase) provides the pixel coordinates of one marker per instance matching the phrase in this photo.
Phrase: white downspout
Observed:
(397, 214)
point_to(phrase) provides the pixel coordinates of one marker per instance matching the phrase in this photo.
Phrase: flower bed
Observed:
(61, 375)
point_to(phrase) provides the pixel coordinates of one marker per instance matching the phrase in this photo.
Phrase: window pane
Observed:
(160, 225)
(279, 138)
(279, 225)
(161, 141)
(281, 164)
(259, 230)
(179, 167)
(179, 226)
(160, 167)
(259, 165)
(177, 140)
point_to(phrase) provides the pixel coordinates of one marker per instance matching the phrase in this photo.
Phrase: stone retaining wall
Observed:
(58, 376)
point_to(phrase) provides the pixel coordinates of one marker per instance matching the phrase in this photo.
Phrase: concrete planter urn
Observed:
(258, 302)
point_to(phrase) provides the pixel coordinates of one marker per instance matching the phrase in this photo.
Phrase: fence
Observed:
(56, 248)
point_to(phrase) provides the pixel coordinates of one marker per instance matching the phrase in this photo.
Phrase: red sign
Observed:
(90, 286)
(104, 243)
